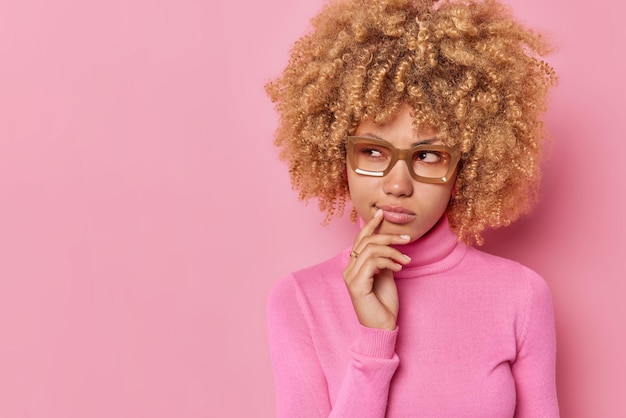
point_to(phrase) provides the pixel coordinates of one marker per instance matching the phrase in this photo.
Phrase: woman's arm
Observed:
(300, 383)
(534, 368)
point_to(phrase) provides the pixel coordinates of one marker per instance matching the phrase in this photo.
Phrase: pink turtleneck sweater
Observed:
(475, 338)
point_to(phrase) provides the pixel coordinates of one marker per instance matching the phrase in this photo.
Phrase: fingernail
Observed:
(378, 213)
(407, 257)
(405, 237)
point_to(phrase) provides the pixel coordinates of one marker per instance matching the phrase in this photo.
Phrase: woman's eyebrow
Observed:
(427, 141)
(371, 135)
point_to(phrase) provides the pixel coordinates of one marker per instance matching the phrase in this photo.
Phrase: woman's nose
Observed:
(398, 181)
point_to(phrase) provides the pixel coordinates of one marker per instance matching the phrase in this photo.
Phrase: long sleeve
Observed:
(534, 367)
(302, 383)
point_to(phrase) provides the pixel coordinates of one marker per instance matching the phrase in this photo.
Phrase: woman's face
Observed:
(410, 207)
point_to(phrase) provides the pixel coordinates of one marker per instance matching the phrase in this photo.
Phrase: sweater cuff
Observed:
(377, 343)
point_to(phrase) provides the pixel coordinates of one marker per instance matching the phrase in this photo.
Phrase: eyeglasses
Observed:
(427, 163)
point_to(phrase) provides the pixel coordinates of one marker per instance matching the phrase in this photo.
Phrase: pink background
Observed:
(145, 214)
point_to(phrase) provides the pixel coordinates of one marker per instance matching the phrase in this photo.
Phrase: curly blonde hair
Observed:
(467, 68)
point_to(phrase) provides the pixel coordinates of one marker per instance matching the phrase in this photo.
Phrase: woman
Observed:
(425, 115)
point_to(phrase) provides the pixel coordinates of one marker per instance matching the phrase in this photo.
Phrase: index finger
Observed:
(370, 226)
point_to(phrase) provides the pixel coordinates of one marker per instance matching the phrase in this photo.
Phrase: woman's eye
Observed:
(372, 152)
(428, 156)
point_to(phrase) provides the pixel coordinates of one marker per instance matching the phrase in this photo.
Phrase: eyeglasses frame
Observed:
(405, 155)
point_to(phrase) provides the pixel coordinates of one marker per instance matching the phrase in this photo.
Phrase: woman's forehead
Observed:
(400, 126)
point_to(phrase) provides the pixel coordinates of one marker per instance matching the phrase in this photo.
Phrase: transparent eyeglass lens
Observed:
(429, 163)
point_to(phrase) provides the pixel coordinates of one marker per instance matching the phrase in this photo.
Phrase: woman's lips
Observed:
(397, 215)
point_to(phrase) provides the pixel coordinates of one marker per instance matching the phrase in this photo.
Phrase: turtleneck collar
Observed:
(439, 249)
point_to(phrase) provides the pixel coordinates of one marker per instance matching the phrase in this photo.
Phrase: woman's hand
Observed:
(369, 275)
